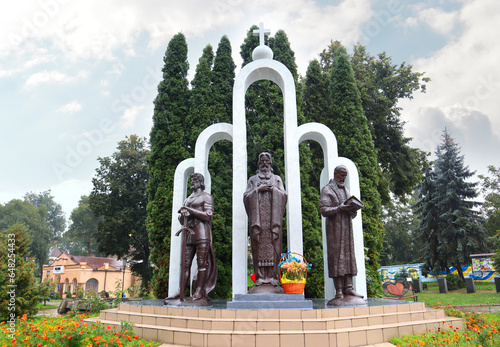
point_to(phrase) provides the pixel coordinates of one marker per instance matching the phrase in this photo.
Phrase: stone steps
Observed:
(348, 326)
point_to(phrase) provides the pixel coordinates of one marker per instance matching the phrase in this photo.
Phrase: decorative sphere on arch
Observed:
(262, 52)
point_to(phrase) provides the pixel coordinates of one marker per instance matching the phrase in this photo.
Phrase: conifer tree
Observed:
(222, 174)
(168, 148)
(18, 293)
(381, 85)
(450, 226)
(350, 126)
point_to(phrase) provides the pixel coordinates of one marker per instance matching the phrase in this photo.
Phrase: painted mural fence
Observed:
(484, 273)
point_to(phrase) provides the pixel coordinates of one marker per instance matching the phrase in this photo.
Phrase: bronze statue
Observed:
(339, 208)
(265, 202)
(196, 217)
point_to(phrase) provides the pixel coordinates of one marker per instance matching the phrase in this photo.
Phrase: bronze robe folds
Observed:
(265, 212)
(339, 233)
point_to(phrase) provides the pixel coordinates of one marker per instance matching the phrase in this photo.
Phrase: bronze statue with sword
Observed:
(196, 217)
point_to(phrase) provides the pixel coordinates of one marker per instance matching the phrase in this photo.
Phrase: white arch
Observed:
(263, 69)
(209, 136)
(325, 137)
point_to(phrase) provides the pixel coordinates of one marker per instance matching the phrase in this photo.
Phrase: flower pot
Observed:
(293, 287)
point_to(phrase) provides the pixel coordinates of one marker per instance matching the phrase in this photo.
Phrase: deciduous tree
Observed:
(80, 238)
(119, 200)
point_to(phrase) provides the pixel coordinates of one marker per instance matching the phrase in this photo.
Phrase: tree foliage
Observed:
(54, 215)
(80, 238)
(35, 224)
(491, 210)
(354, 139)
(450, 228)
(400, 244)
(382, 84)
(169, 147)
(119, 199)
(18, 294)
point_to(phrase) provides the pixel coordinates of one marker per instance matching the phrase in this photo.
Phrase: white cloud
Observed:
(130, 115)
(71, 107)
(52, 76)
(465, 71)
(68, 192)
(439, 20)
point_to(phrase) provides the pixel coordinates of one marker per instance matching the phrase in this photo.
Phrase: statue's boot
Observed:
(200, 287)
(348, 288)
(177, 294)
(339, 285)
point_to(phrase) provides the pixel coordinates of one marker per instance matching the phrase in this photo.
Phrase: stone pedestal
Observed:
(497, 284)
(269, 301)
(470, 285)
(443, 285)
(417, 285)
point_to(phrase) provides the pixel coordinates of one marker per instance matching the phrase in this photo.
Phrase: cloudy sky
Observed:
(76, 77)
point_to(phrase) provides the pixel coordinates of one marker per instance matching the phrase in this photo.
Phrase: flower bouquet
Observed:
(293, 272)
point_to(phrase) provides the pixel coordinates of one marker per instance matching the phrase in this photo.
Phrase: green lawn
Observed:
(485, 294)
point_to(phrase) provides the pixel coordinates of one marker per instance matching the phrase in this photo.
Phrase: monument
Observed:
(339, 208)
(265, 202)
(263, 67)
(196, 217)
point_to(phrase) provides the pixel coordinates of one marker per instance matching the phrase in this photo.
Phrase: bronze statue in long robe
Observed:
(265, 203)
(339, 233)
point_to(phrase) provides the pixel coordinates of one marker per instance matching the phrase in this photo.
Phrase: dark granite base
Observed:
(269, 302)
(347, 301)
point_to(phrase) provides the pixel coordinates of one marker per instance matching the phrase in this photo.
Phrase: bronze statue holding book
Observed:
(339, 208)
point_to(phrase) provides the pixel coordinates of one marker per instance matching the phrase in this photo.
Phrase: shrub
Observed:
(454, 282)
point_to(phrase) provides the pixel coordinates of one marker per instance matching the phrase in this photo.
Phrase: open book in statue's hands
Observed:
(353, 204)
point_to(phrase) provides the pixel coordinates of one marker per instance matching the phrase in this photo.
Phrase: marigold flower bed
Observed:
(480, 331)
(67, 331)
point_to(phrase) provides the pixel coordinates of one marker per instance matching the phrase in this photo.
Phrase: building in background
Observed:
(88, 273)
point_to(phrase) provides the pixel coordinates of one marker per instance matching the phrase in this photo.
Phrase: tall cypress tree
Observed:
(222, 174)
(450, 226)
(350, 126)
(200, 109)
(168, 148)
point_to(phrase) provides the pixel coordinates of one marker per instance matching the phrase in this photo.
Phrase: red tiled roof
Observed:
(96, 262)
(55, 253)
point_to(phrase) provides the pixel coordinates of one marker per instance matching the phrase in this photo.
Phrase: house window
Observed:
(91, 285)
(75, 285)
(67, 286)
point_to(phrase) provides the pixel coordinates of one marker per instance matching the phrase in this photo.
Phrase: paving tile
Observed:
(219, 340)
(357, 338)
(295, 340)
(182, 338)
(165, 336)
(316, 340)
(374, 336)
(268, 326)
(342, 339)
(245, 340)
(150, 334)
(268, 340)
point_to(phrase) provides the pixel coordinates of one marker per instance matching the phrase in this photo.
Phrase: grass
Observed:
(41, 306)
(485, 294)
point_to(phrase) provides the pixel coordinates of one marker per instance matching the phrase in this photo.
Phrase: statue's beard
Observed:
(265, 170)
(340, 184)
